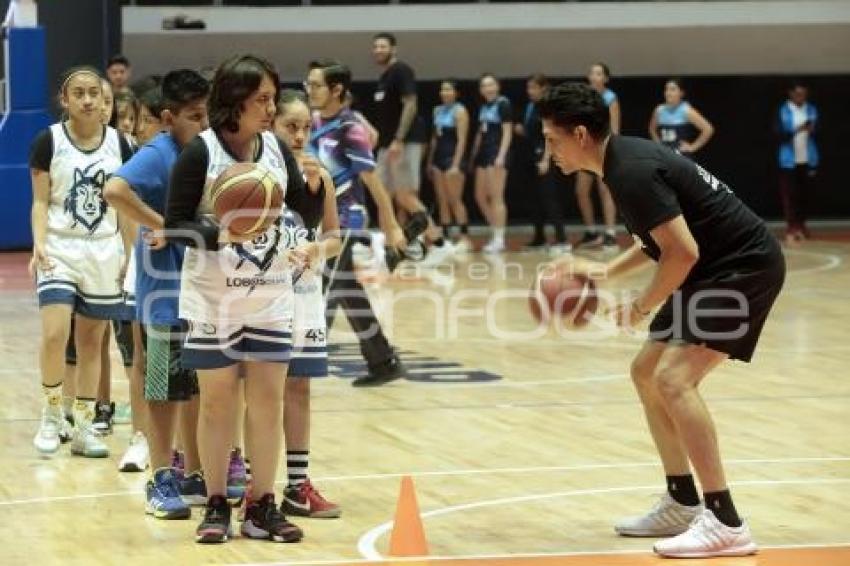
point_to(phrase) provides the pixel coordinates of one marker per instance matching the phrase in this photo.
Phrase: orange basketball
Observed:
(246, 198)
(556, 291)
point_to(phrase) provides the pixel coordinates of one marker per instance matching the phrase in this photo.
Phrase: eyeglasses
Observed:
(311, 86)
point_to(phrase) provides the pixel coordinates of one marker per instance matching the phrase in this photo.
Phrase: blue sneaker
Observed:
(163, 497)
(193, 489)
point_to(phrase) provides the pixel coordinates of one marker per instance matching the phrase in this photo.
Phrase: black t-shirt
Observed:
(652, 185)
(397, 81)
(41, 150)
(186, 188)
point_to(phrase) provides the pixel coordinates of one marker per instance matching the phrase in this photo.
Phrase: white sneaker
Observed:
(438, 255)
(46, 439)
(494, 247)
(708, 537)
(667, 518)
(556, 250)
(87, 442)
(136, 457)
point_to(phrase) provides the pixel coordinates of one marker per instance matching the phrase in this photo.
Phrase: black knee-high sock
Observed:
(683, 490)
(448, 230)
(720, 503)
(464, 229)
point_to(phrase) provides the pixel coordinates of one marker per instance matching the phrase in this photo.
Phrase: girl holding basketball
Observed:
(76, 253)
(310, 357)
(236, 288)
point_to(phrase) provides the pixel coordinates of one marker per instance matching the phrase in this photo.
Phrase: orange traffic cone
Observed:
(408, 536)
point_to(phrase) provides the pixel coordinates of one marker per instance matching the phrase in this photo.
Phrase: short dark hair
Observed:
(385, 35)
(570, 105)
(182, 87)
(146, 83)
(288, 96)
(454, 83)
(335, 73)
(605, 69)
(152, 100)
(676, 81)
(235, 80)
(797, 83)
(118, 59)
(539, 79)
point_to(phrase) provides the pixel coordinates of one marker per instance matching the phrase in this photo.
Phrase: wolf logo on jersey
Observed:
(84, 201)
(261, 252)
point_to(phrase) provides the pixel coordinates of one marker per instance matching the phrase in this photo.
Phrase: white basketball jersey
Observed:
(77, 177)
(239, 283)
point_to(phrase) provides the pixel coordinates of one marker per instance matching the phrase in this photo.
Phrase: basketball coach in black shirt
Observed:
(718, 273)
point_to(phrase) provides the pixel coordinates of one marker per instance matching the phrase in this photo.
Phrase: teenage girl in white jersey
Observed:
(76, 252)
(236, 294)
(320, 236)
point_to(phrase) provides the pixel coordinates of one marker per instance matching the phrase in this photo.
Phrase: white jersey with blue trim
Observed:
(77, 208)
(245, 283)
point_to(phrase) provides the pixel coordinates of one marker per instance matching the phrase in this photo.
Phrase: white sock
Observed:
(83, 412)
(53, 396)
(499, 234)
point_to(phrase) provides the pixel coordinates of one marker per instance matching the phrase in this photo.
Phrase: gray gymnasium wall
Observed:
(736, 57)
(637, 38)
(79, 32)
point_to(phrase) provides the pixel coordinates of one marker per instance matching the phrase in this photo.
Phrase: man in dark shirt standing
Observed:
(401, 136)
(719, 272)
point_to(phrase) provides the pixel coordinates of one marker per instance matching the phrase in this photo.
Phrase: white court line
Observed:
(460, 472)
(366, 543)
(572, 468)
(566, 554)
(832, 261)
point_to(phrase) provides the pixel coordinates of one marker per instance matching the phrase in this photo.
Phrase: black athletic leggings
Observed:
(123, 330)
(342, 289)
(547, 205)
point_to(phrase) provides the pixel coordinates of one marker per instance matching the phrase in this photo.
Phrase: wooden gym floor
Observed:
(524, 448)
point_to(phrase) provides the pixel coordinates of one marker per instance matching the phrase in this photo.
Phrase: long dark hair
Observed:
(234, 82)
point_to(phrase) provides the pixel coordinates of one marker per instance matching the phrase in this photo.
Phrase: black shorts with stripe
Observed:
(166, 379)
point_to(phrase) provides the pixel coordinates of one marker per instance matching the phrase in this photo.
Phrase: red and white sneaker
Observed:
(707, 537)
(306, 501)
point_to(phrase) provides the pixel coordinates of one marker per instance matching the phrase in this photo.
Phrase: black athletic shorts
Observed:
(123, 330)
(165, 377)
(486, 157)
(725, 312)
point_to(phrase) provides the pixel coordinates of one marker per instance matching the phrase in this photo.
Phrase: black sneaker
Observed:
(263, 520)
(609, 241)
(536, 244)
(215, 526)
(589, 239)
(102, 422)
(66, 431)
(388, 371)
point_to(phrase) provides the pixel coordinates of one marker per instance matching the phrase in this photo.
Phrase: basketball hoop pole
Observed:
(26, 113)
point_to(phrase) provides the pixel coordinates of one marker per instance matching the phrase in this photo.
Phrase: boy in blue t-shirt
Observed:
(138, 191)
